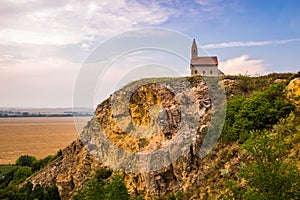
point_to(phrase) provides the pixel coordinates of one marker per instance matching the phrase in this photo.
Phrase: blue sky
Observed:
(43, 43)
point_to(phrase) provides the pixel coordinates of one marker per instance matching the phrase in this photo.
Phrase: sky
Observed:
(44, 43)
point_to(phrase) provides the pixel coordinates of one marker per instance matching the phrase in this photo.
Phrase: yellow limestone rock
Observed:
(293, 91)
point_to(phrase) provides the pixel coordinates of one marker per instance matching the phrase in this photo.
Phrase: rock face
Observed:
(228, 83)
(151, 120)
(293, 91)
(69, 171)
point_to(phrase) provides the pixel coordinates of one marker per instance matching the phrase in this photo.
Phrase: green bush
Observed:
(244, 84)
(259, 111)
(8, 177)
(116, 189)
(100, 187)
(26, 165)
(39, 164)
(22, 173)
(268, 175)
(25, 160)
(233, 108)
(28, 192)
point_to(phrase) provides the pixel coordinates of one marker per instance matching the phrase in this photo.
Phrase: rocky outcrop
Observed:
(228, 83)
(293, 91)
(69, 171)
(160, 106)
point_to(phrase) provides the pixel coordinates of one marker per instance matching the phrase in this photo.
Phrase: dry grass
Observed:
(35, 136)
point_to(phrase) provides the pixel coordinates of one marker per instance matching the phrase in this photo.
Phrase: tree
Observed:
(101, 187)
(25, 160)
(39, 164)
(117, 189)
(22, 173)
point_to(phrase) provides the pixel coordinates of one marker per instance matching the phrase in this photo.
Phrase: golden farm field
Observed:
(36, 136)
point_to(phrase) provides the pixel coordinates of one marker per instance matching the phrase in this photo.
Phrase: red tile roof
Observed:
(205, 61)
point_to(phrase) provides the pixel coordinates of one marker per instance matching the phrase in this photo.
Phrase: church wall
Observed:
(205, 71)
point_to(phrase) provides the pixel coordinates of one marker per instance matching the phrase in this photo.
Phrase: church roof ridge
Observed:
(205, 60)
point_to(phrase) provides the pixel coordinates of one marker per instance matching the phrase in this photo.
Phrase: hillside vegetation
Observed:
(257, 155)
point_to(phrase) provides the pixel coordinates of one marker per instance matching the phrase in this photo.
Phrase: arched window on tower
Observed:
(203, 72)
(196, 72)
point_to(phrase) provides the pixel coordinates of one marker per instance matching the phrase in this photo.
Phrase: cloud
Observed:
(40, 83)
(210, 5)
(43, 42)
(207, 2)
(249, 43)
(212, 9)
(243, 65)
(6, 58)
(74, 22)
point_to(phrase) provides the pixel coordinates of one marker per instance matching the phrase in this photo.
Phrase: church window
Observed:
(203, 72)
(211, 72)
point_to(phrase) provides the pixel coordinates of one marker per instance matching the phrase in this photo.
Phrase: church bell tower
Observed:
(194, 50)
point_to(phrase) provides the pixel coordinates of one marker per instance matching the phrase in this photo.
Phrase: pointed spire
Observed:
(194, 50)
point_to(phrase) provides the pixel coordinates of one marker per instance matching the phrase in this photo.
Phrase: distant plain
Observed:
(36, 136)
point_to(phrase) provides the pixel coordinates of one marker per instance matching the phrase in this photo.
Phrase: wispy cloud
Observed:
(74, 22)
(249, 43)
(214, 9)
(44, 41)
(210, 5)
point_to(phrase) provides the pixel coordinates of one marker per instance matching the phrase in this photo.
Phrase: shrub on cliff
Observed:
(100, 187)
(270, 174)
(259, 111)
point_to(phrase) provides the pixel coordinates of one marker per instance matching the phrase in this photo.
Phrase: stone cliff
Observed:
(144, 117)
(147, 98)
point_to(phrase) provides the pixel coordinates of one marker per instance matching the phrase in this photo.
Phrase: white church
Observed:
(204, 66)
